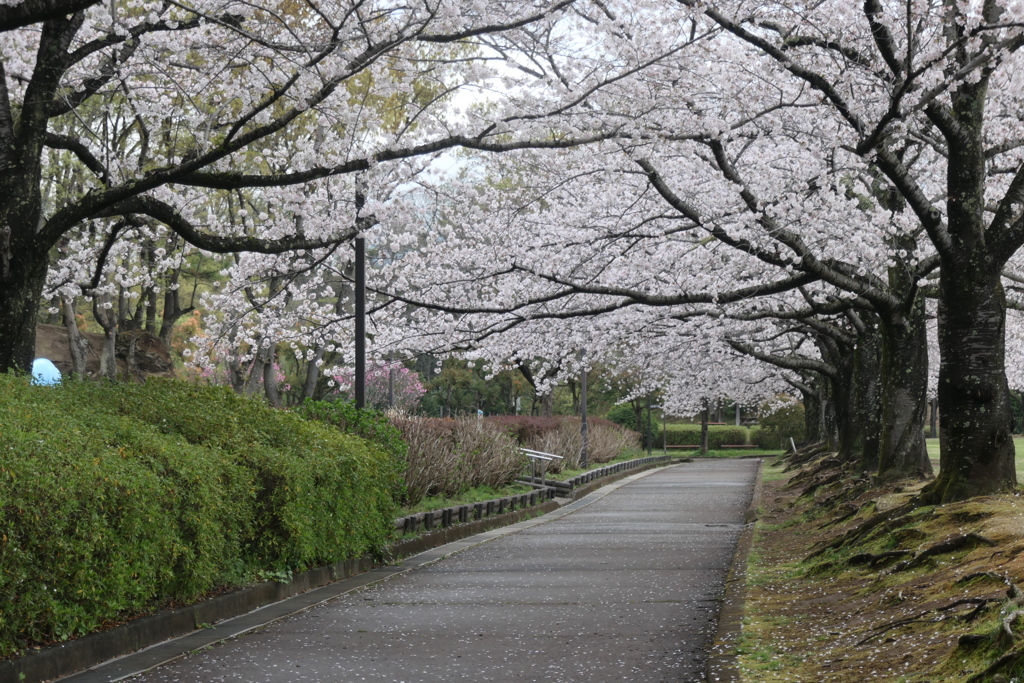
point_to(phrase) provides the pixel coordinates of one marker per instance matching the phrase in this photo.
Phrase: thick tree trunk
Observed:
(976, 446)
(812, 417)
(847, 433)
(20, 294)
(867, 362)
(904, 383)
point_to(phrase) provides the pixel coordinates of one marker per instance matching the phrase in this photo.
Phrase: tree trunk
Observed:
(847, 432)
(270, 387)
(78, 347)
(547, 404)
(812, 417)
(313, 373)
(904, 384)
(704, 428)
(867, 364)
(976, 447)
(933, 417)
(53, 316)
(259, 360)
(108, 321)
(829, 420)
(20, 294)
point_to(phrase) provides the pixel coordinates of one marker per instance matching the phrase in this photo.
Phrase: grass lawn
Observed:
(1018, 443)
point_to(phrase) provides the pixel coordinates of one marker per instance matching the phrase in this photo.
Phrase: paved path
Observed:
(625, 588)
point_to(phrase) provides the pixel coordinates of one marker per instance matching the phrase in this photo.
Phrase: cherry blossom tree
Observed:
(893, 150)
(184, 114)
(903, 75)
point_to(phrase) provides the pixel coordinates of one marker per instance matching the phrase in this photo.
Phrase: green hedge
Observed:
(689, 435)
(778, 427)
(115, 499)
(623, 415)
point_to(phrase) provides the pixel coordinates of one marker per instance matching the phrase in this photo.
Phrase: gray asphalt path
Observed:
(625, 588)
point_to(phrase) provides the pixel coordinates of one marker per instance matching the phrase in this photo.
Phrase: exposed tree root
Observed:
(995, 666)
(812, 472)
(831, 479)
(1006, 632)
(853, 489)
(918, 618)
(876, 559)
(862, 529)
(850, 511)
(804, 455)
(941, 548)
(1013, 591)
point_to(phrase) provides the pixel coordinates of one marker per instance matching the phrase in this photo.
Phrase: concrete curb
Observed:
(149, 641)
(721, 666)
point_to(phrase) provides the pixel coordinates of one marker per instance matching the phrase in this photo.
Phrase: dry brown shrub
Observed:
(448, 456)
(489, 456)
(564, 440)
(605, 443)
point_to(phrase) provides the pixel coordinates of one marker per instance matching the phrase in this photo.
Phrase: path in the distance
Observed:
(625, 589)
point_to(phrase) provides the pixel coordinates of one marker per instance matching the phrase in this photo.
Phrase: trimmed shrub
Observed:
(115, 499)
(689, 435)
(446, 457)
(371, 425)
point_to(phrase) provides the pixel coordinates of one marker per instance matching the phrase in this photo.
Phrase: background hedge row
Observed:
(689, 435)
(115, 499)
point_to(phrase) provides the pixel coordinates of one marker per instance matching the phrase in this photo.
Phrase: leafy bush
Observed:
(117, 498)
(624, 416)
(446, 457)
(780, 421)
(689, 435)
(371, 425)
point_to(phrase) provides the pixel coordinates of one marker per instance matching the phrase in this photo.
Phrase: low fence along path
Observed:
(624, 588)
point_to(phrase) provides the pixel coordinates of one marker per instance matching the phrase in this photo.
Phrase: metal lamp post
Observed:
(360, 247)
(583, 411)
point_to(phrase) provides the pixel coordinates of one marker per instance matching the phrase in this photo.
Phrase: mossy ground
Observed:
(827, 619)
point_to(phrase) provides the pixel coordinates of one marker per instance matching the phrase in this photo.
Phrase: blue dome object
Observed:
(45, 373)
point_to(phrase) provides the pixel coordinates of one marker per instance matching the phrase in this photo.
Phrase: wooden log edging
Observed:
(63, 659)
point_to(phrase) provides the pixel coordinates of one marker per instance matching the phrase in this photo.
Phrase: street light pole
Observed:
(583, 411)
(360, 247)
(650, 435)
